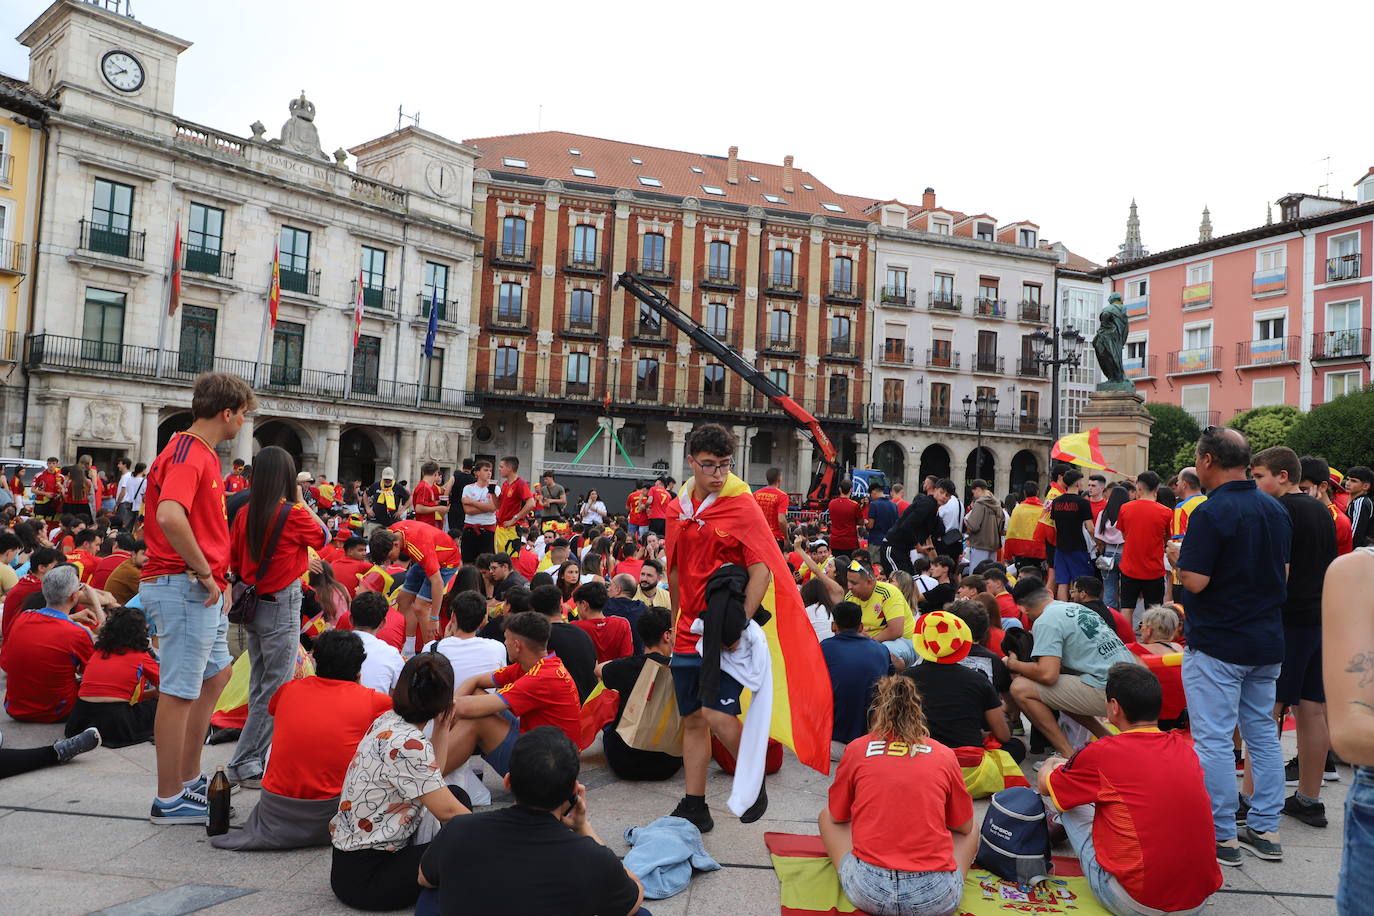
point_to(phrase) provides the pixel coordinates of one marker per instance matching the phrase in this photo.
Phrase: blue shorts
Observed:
(686, 669)
(192, 638)
(499, 756)
(417, 583)
(1070, 564)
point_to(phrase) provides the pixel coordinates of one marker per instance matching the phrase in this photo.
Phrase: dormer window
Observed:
(985, 232)
(513, 163)
(833, 208)
(1025, 238)
(712, 189)
(584, 173)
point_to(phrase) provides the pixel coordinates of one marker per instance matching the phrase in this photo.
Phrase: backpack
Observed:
(1014, 842)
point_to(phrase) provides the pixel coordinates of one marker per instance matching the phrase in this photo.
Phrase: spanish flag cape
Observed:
(802, 701)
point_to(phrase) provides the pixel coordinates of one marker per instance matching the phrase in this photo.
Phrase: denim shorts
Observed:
(192, 638)
(889, 892)
(1356, 885)
(417, 582)
(499, 757)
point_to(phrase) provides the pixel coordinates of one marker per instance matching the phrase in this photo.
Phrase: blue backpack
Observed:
(1014, 841)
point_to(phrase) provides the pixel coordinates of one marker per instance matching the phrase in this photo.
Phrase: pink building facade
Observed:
(1279, 314)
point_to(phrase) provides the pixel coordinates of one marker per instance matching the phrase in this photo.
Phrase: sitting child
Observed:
(118, 695)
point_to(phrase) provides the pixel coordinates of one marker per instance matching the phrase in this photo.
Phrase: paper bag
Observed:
(651, 721)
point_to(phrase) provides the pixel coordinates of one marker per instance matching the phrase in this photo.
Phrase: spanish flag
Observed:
(802, 698)
(1083, 450)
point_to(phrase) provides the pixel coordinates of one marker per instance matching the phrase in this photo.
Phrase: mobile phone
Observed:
(491, 488)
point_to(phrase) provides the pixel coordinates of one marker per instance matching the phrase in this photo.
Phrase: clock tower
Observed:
(101, 61)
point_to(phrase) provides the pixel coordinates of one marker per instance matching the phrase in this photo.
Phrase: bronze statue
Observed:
(1108, 344)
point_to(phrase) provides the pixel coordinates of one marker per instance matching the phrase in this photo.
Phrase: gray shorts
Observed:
(890, 892)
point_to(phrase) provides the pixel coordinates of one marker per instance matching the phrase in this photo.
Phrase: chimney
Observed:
(787, 174)
(732, 169)
(928, 199)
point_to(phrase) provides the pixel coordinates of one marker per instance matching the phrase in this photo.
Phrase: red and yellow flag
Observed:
(274, 289)
(1083, 450)
(358, 311)
(174, 294)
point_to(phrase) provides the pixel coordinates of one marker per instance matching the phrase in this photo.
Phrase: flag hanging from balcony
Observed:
(1082, 449)
(174, 294)
(358, 311)
(274, 288)
(433, 322)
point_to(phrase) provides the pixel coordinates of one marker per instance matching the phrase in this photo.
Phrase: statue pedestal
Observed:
(1124, 426)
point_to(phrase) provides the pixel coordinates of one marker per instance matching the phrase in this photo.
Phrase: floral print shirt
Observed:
(379, 807)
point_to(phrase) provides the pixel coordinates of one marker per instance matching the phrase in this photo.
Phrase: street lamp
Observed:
(986, 406)
(1054, 349)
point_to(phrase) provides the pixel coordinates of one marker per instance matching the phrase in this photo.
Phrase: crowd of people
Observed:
(398, 644)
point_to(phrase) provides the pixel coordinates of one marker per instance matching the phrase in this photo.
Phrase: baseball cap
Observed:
(388, 473)
(943, 638)
(820, 542)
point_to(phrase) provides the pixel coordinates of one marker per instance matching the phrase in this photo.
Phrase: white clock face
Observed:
(122, 71)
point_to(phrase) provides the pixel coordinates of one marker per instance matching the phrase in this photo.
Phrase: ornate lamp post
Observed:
(1055, 349)
(986, 405)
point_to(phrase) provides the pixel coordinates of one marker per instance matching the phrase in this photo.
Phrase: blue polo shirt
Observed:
(1241, 538)
(884, 514)
(855, 662)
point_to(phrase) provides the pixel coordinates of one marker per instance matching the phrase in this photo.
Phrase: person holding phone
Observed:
(479, 508)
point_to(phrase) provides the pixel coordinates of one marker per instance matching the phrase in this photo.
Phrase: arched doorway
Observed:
(177, 422)
(358, 456)
(934, 462)
(889, 458)
(980, 464)
(275, 432)
(1024, 466)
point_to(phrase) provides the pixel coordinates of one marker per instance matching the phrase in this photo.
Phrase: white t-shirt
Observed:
(594, 513)
(126, 491)
(478, 493)
(472, 656)
(136, 490)
(382, 664)
(950, 514)
(820, 621)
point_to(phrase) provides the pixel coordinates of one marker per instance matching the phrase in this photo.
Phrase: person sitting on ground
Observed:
(856, 663)
(942, 570)
(534, 689)
(611, 635)
(993, 639)
(1159, 630)
(1087, 591)
(45, 652)
(118, 694)
(996, 579)
(1138, 855)
(496, 568)
(574, 647)
(40, 562)
(353, 565)
(913, 865)
(474, 862)
(960, 703)
(319, 722)
(650, 574)
(971, 586)
(392, 776)
(382, 662)
(982, 657)
(621, 602)
(384, 575)
(887, 617)
(17, 760)
(83, 555)
(469, 653)
(122, 547)
(555, 556)
(392, 630)
(655, 628)
(1068, 637)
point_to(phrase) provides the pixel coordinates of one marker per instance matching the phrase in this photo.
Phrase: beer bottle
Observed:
(218, 794)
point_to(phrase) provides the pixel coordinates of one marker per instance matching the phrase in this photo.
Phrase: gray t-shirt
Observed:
(1082, 642)
(548, 492)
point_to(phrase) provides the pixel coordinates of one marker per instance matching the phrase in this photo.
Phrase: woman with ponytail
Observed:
(912, 865)
(393, 776)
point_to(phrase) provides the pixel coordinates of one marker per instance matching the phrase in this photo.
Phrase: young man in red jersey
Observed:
(513, 506)
(424, 499)
(435, 560)
(183, 585)
(773, 501)
(47, 490)
(236, 481)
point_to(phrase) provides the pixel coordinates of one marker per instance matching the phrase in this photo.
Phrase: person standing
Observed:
(386, 502)
(48, 486)
(637, 509)
(553, 498)
(773, 501)
(425, 497)
(276, 515)
(1097, 493)
(1359, 480)
(1072, 517)
(515, 503)
(879, 518)
(1234, 567)
(899, 498)
(235, 481)
(479, 507)
(659, 497)
(457, 513)
(984, 525)
(1144, 524)
(182, 587)
(845, 517)
(917, 525)
(1316, 482)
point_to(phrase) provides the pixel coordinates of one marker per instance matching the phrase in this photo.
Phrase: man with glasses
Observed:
(887, 617)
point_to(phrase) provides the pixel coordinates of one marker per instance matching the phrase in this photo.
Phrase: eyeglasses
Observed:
(712, 468)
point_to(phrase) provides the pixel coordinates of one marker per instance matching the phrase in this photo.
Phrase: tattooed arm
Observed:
(1348, 655)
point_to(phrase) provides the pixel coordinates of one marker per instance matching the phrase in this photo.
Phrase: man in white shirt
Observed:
(382, 664)
(479, 522)
(469, 653)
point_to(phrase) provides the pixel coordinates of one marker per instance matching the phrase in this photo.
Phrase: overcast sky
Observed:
(1055, 112)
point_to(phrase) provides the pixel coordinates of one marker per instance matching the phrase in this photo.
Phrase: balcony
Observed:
(942, 359)
(1140, 370)
(940, 418)
(945, 301)
(1345, 267)
(655, 270)
(377, 298)
(581, 261)
(718, 278)
(1197, 361)
(1030, 367)
(306, 282)
(1197, 296)
(14, 257)
(510, 317)
(111, 240)
(207, 261)
(1277, 351)
(780, 342)
(1352, 343)
(104, 359)
(989, 363)
(789, 284)
(6, 168)
(1266, 283)
(844, 291)
(583, 325)
(507, 254)
(842, 348)
(448, 308)
(1204, 418)
(897, 354)
(990, 308)
(898, 297)
(1137, 308)
(1032, 311)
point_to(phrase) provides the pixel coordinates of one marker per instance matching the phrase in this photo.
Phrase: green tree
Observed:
(1341, 431)
(1266, 427)
(1174, 429)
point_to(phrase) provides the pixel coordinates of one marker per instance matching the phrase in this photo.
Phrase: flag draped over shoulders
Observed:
(802, 699)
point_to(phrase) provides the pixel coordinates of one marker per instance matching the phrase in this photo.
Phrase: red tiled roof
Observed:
(546, 155)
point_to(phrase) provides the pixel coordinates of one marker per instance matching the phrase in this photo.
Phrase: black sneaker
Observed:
(1290, 773)
(1313, 814)
(1242, 812)
(756, 810)
(1265, 849)
(698, 813)
(67, 748)
(1228, 855)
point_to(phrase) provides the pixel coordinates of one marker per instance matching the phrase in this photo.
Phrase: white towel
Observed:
(751, 665)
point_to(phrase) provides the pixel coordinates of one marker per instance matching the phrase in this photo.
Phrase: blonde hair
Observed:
(1162, 621)
(897, 714)
(906, 585)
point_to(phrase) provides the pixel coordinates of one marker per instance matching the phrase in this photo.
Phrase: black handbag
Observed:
(243, 597)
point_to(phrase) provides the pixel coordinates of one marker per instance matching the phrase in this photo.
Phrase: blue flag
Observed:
(433, 322)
